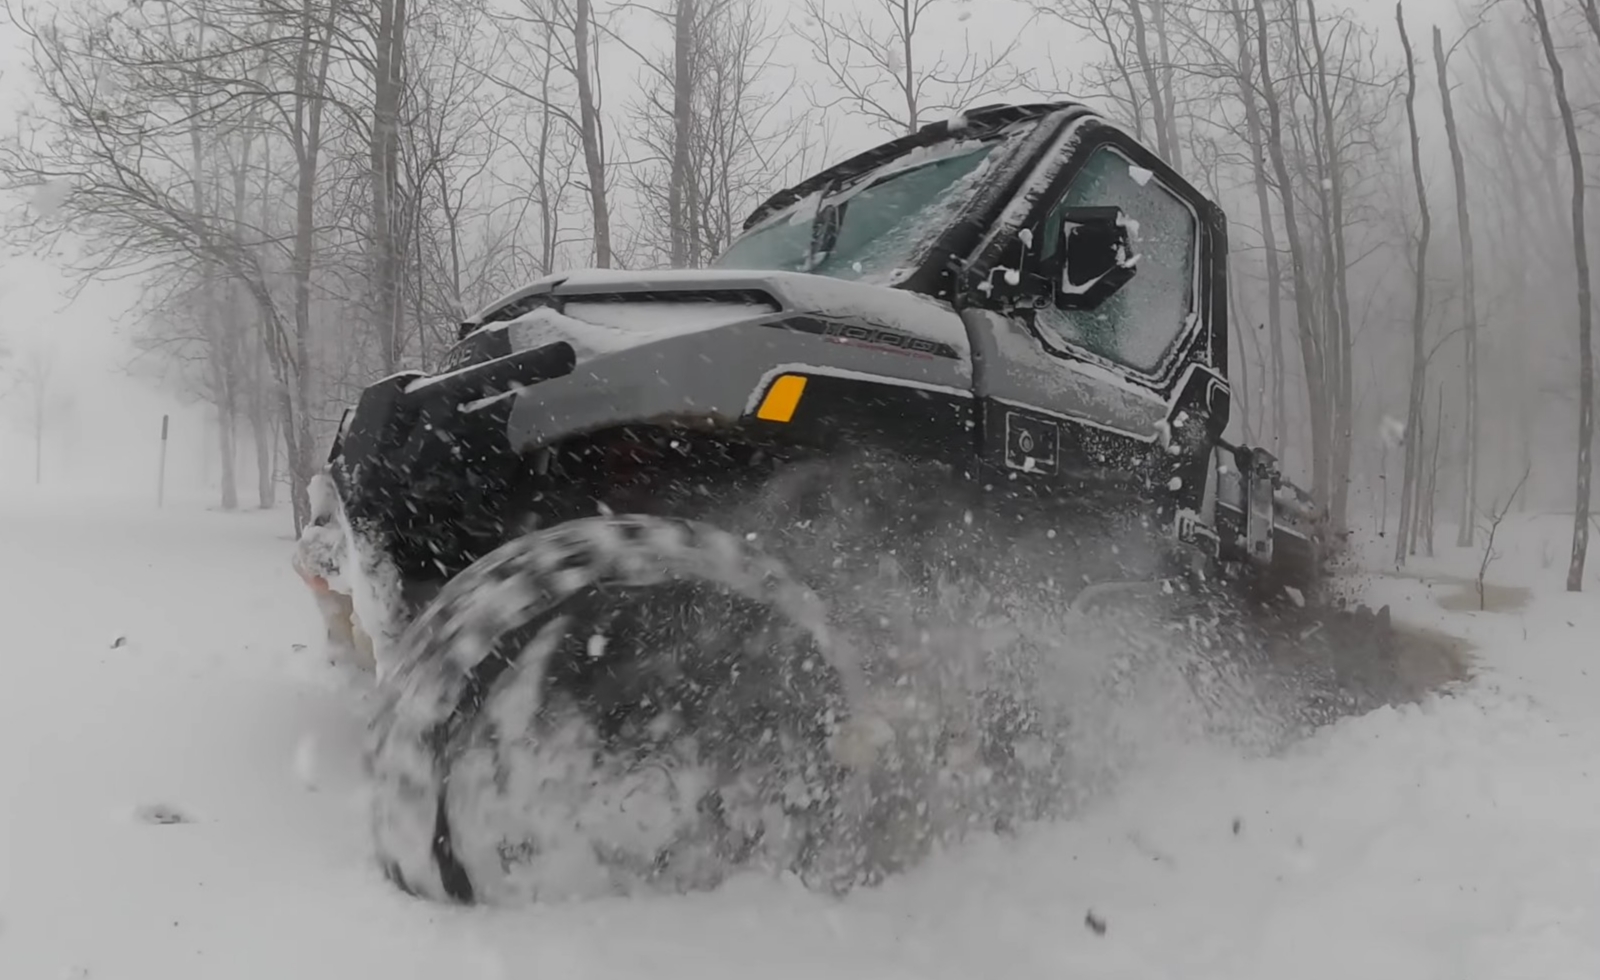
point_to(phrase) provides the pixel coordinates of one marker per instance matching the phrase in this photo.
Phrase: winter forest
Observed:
(313, 193)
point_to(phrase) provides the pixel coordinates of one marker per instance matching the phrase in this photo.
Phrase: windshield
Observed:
(881, 220)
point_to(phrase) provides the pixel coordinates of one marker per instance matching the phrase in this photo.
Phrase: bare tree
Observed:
(34, 376)
(680, 192)
(1140, 73)
(877, 64)
(565, 32)
(1469, 302)
(1413, 438)
(1311, 355)
(1497, 514)
(388, 70)
(739, 145)
(122, 102)
(1580, 258)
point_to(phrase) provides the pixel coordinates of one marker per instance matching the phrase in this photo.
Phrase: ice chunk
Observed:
(161, 813)
(806, 210)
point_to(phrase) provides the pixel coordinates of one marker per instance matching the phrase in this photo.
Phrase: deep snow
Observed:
(1459, 838)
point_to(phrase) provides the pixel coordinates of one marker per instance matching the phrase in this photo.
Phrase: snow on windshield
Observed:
(883, 217)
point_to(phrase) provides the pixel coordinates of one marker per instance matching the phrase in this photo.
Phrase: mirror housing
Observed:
(1095, 257)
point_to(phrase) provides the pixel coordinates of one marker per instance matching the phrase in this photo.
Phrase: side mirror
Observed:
(1095, 257)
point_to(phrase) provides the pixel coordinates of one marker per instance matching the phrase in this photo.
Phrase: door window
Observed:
(1139, 324)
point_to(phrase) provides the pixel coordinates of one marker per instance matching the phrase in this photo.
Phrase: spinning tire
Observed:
(611, 703)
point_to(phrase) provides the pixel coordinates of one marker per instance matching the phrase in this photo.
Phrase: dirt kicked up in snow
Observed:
(182, 797)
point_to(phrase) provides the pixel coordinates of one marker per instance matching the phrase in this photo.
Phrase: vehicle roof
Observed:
(972, 123)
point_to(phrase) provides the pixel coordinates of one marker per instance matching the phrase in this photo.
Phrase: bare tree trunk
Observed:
(1414, 528)
(1469, 306)
(908, 74)
(1269, 233)
(1309, 348)
(1152, 81)
(1580, 257)
(1166, 94)
(679, 216)
(214, 317)
(264, 432)
(589, 130)
(1419, 363)
(548, 211)
(226, 453)
(262, 435)
(1433, 471)
(298, 438)
(388, 68)
(1341, 382)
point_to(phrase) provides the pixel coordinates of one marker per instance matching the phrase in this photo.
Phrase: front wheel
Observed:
(613, 703)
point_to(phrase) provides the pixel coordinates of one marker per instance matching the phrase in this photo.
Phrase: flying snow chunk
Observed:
(1164, 431)
(1140, 175)
(1391, 431)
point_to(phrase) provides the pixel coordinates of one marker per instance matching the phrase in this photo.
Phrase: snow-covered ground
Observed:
(163, 666)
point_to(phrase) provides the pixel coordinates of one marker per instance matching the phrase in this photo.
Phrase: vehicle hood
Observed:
(599, 311)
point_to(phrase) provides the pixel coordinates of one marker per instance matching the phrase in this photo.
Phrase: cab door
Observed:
(1070, 395)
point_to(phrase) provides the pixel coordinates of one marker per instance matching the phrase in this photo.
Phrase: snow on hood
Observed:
(616, 322)
(601, 328)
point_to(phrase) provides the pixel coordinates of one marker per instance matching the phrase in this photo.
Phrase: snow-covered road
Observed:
(1458, 839)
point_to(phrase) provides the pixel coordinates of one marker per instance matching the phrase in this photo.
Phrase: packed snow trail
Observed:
(180, 796)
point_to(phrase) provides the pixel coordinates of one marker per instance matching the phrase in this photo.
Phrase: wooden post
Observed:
(161, 476)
